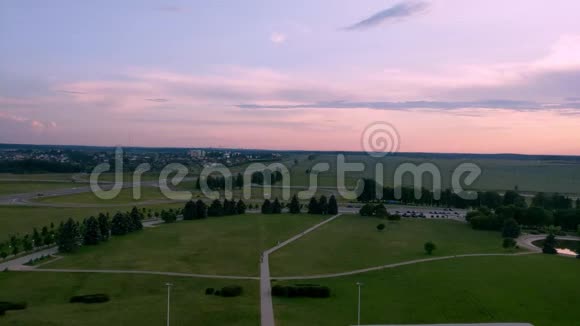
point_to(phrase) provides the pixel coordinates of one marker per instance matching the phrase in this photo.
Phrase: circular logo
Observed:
(380, 139)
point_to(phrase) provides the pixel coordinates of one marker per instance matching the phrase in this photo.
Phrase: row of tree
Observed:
(218, 182)
(323, 205)
(94, 230)
(487, 219)
(489, 199)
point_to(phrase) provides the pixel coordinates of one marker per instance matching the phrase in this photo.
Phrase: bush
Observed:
(394, 217)
(90, 298)
(5, 306)
(380, 227)
(231, 291)
(217, 292)
(429, 247)
(209, 291)
(509, 243)
(301, 291)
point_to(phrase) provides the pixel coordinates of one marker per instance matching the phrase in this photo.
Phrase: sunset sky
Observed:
(449, 75)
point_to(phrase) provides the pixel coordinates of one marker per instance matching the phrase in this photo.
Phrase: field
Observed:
(352, 242)
(13, 187)
(222, 245)
(539, 289)
(497, 174)
(22, 219)
(135, 300)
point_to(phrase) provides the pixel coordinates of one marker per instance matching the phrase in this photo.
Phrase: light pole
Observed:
(169, 285)
(358, 284)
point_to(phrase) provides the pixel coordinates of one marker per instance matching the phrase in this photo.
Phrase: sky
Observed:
(448, 75)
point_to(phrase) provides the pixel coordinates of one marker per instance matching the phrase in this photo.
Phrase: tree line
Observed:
(218, 182)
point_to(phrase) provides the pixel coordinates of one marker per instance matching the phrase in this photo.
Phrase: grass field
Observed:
(352, 242)
(38, 176)
(538, 289)
(22, 219)
(222, 245)
(13, 187)
(497, 174)
(135, 300)
(125, 196)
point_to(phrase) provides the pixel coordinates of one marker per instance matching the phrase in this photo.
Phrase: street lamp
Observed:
(358, 284)
(169, 285)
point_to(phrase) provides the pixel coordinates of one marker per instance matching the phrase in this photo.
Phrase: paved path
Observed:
(266, 307)
(114, 271)
(526, 241)
(410, 262)
(14, 263)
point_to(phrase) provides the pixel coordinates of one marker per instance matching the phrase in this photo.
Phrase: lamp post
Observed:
(169, 285)
(358, 284)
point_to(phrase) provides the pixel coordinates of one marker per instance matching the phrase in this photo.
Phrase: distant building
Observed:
(197, 153)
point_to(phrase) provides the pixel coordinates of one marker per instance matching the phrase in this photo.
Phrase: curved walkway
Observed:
(114, 271)
(526, 241)
(376, 268)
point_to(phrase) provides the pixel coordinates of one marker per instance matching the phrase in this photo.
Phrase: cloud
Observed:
(411, 105)
(278, 38)
(396, 12)
(20, 120)
(158, 100)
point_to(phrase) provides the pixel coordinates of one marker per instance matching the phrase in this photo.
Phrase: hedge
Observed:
(301, 290)
(90, 298)
(5, 306)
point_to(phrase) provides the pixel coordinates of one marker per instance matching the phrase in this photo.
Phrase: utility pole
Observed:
(358, 284)
(169, 285)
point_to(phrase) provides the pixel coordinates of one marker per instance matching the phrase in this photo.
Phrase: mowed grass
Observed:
(135, 300)
(537, 289)
(219, 246)
(352, 242)
(22, 219)
(19, 187)
(38, 176)
(126, 195)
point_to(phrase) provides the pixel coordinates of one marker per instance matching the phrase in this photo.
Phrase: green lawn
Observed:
(125, 196)
(538, 289)
(22, 219)
(353, 242)
(19, 187)
(38, 176)
(222, 245)
(135, 300)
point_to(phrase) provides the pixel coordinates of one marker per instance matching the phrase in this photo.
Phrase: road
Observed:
(266, 307)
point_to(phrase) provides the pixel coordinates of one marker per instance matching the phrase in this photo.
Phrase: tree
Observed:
(508, 243)
(294, 205)
(91, 232)
(135, 220)
(104, 226)
(69, 236)
(323, 205)
(168, 216)
(119, 224)
(332, 205)
(276, 207)
(367, 210)
(215, 209)
(313, 207)
(429, 247)
(550, 245)
(36, 238)
(230, 207)
(380, 211)
(511, 197)
(511, 229)
(190, 211)
(267, 207)
(3, 254)
(380, 227)
(47, 236)
(201, 208)
(240, 207)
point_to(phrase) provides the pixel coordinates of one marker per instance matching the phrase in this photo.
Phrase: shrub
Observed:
(231, 291)
(380, 227)
(509, 243)
(5, 306)
(429, 247)
(297, 290)
(209, 291)
(217, 292)
(394, 217)
(90, 298)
